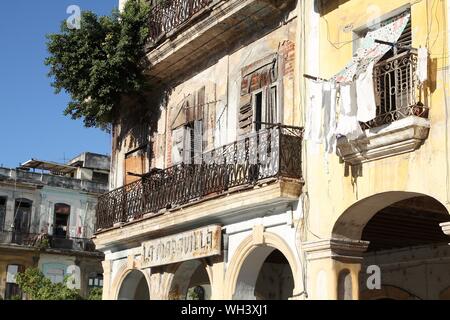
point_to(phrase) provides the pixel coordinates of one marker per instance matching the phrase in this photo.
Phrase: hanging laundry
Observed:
(329, 122)
(313, 127)
(367, 109)
(348, 125)
(370, 50)
(422, 65)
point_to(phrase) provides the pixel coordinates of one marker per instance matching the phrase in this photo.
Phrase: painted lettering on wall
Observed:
(185, 246)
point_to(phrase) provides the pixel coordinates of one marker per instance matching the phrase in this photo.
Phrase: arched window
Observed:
(22, 215)
(345, 286)
(2, 212)
(62, 219)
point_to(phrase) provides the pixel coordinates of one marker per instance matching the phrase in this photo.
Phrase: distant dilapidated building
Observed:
(47, 217)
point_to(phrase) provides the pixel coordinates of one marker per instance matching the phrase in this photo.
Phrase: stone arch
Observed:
(352, 221)
(248, 248)
(122, 275)
(388, 292)
(177, 277)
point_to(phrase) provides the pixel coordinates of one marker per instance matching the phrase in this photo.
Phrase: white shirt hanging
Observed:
(329, 123)
(313, 127)
(348, 123)
(367, 109)
(422, 65)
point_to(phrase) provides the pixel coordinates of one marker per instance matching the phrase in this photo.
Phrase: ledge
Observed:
(402, 136)
(337, 249)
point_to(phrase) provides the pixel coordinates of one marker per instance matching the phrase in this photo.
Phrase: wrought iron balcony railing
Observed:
(167, 15)
(45, 241)
(272, 153)
(396, 90)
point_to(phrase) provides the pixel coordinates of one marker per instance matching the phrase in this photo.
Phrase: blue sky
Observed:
(32, 124)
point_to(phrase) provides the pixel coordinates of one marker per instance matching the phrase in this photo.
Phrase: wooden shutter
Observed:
(245, 114)
(271, 112)
(198, 142)
(188, 141)
(201, 100)
(178, 145)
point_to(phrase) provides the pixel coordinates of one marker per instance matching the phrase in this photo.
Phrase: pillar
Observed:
(326, 259)
(107, 268)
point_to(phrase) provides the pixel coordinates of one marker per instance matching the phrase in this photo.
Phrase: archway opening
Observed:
(190, 282)
(265, 275)
(408, 223)
(134, 287)
(406, 244)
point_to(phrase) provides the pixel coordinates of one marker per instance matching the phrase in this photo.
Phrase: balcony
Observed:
(167, 16)
(185, 33)
(401, 124)
(44, 241)
(272, 154)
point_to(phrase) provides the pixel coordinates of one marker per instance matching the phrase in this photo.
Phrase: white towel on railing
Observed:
(422, 65)
(313, 126)
(367, 108)
(348, 124)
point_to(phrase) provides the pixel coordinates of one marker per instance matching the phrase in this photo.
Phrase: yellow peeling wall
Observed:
(330, 187)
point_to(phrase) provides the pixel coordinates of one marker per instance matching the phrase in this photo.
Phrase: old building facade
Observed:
(224, 195)
(47, 217)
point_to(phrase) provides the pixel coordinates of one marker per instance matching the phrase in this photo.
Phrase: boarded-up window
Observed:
(135, 164)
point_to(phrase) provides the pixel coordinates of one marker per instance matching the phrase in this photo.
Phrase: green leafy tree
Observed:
(100, 63)
(37, 287)
(95, 294)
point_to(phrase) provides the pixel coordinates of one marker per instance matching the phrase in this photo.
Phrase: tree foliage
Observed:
(100, 63)
(37, 287)
(95, 294)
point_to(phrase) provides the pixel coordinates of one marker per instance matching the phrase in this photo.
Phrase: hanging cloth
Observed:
(367, 109)
(422, 65)
(313, 127)
(371, 51)
(329, 122)
(348, 123)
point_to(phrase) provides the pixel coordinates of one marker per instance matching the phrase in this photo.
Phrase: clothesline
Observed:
(392, 44)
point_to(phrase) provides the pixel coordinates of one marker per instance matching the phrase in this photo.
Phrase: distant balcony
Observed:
(267, 156)
(43, 241)
(401, 124)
